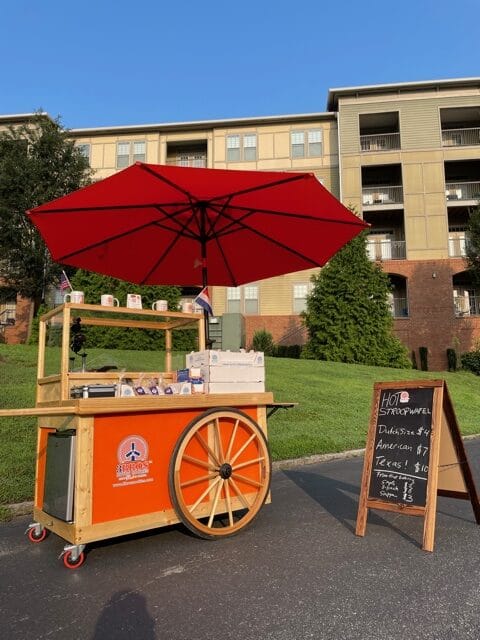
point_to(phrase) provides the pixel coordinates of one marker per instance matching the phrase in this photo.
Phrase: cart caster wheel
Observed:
(35, 536)
(73, 564)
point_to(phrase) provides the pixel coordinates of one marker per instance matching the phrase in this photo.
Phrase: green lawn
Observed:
(333, 413)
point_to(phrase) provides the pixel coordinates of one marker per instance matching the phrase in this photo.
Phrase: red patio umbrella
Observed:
(155, 224)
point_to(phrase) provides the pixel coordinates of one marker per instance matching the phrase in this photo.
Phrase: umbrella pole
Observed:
(203, 214)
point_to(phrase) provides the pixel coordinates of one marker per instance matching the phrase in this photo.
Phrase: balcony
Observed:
(461, 137)
(380, 142)
(457, 246)
(382, 195)
(462, 191)
(386, 249)
(466, 305)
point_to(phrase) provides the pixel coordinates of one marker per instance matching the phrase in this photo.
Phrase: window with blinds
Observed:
(242, 148)
(130, 152)
(306, 143)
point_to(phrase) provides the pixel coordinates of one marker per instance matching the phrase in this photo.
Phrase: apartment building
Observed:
(406, 156)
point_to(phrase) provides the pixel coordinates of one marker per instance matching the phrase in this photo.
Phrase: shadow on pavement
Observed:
(125, 616)
(333, 496)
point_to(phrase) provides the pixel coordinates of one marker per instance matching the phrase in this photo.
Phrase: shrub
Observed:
(452, 359)
(287, 351)
(471, 361)
(263, 341)
(423, 352)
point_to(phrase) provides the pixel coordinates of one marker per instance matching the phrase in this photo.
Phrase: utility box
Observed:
(233, 331)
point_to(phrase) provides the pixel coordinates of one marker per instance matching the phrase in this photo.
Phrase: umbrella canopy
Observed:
(155, 224)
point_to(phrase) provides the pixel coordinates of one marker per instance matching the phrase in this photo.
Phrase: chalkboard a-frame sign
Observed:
(414, 452)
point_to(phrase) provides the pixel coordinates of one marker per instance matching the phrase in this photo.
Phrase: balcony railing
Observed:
(399, 307)
(386, 249)
(188, 161)
(460, 137)
(380, 142)
(466, 306)
(455, 191)
(372, 196)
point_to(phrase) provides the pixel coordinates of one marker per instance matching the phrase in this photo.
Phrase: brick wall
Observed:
(19, 332)
(284, 329)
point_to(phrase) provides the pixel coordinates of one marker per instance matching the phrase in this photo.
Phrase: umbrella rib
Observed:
(165, 253)
(276, 183)
(104, 241)
(167, 181)
(271, 240)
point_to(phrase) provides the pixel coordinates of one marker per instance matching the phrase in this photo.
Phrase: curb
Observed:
(25, 508)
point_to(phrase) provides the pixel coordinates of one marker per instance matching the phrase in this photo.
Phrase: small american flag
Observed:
(65, 282)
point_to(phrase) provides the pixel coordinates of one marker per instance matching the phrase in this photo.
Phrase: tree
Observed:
(94, 285)
(348, 317)
(38, 162)
(473, 244)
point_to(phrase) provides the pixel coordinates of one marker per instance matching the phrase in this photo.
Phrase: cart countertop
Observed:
(97, 406)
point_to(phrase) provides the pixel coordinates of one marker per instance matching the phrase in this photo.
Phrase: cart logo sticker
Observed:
(133, 464)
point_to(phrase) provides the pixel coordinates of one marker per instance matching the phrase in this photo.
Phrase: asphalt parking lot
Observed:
(297, 572)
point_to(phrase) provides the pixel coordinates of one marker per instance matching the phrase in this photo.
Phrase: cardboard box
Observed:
(235, 387)
(215, 357)
(233, 373)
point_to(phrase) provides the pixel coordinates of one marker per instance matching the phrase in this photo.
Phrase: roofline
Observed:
(23, 117)
(201, 124)
(334, 94)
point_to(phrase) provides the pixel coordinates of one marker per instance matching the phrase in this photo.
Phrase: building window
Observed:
(130, 152)
(242, 300)
(84, 150)
(300, 293)
(242, 148)
(8, 306)
(234, 295)
(251, 300)
(306, 144)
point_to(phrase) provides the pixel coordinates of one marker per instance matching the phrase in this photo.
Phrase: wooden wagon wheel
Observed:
(219, 473)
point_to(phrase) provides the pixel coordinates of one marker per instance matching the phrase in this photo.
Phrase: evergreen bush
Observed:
(452, 360)
(348, 317)
(263, 341)
(423, 353)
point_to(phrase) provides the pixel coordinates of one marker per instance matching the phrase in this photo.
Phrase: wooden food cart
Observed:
(109, 466)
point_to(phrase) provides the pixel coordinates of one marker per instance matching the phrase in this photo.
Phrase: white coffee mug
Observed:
(106, 300)
(187, 307)
(77, 297)
(160, 305)
(134, 301)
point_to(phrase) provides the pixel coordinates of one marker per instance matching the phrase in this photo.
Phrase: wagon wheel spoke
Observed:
(230, 444)
(242, 448)
(200, 463)
(240, 495)
(188, 483)
(205, 493)
(246, 464)
(215, 502)
(229, 503)
(219, 440)
(254, 483)
(205, 446)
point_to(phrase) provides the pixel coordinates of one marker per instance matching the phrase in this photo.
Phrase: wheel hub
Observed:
(226, 470)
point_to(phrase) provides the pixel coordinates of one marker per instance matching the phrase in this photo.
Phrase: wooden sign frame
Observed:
(449, 473)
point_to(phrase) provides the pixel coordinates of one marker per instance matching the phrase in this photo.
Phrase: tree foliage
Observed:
(348, 317)
(94, 285)
(473, 244)
(38, 162)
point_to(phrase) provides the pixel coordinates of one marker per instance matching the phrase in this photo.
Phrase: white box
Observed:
(233, 373)
(235, 387)
(215, 357)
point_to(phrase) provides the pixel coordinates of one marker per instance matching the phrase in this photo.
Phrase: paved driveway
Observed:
(298, 572)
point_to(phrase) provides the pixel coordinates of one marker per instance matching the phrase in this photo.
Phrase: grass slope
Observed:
(333, 413)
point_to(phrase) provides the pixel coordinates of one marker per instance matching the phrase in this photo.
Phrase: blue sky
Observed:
(150, 61)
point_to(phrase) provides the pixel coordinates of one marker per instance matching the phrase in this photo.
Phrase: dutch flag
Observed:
(203, 300)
